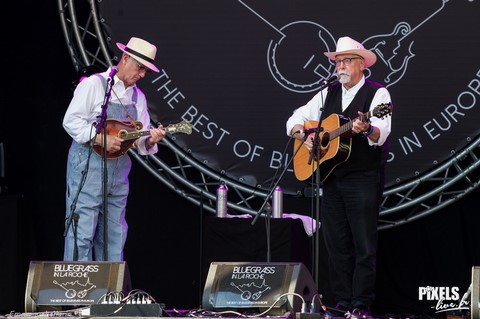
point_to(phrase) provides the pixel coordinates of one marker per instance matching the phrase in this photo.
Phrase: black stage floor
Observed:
(82, 313)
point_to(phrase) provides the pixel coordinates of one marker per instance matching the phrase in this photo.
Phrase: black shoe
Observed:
(340, 310)
(360, 312)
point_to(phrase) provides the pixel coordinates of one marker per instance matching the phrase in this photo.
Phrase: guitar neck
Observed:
(183, 127)
(134, 135)
(349, 125)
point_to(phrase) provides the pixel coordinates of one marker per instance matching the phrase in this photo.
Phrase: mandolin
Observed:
(130, 132)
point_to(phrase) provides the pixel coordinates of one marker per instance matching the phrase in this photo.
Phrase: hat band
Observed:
(139, 55)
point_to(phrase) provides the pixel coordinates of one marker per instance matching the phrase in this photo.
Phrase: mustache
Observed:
(344, 76)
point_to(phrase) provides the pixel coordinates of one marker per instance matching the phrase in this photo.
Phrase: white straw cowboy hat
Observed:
(143, 51)
(346, 45)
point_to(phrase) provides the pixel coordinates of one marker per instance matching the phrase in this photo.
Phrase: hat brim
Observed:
(368, 56)
(146, 63)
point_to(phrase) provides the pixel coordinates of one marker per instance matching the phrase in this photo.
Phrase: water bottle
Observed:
(222, 200)
(277, 203)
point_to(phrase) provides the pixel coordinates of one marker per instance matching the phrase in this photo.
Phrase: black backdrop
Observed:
(237, 69)
(163, 245)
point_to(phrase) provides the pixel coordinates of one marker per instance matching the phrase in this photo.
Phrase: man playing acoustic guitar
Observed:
(350, 154)
(85, 199)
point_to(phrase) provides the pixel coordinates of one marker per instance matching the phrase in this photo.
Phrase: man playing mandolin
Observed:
(86, 176)
(349, 154)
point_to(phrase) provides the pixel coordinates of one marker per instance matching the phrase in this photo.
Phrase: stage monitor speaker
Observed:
(475, 293)
(273, 288)
(58, 285)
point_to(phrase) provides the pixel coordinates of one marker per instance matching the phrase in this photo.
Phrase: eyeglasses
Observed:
(141, 68)
(346, 61)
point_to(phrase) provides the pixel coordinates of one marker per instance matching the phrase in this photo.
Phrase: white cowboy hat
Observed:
(143, 51)
(347, 45)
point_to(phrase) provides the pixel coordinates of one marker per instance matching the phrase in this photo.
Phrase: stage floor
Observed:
(198, 313)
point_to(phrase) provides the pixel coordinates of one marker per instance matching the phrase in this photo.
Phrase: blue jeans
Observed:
(89, 205)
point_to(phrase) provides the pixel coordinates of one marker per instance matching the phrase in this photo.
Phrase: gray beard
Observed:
(345, 77)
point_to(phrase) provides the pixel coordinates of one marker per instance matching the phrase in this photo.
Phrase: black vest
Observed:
(362, 155)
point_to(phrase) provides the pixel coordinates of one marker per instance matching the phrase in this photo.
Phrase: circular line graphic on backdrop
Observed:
(309, 74)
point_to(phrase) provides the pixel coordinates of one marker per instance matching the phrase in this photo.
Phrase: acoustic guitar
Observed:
(130, 132)
(335, 142)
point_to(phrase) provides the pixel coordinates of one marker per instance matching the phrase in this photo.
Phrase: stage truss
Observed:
(427, 193)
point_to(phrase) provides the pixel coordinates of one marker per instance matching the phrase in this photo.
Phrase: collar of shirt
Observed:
(120, 93)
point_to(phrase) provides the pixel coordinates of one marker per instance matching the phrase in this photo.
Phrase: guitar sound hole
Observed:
(122, 133)
(325, 139)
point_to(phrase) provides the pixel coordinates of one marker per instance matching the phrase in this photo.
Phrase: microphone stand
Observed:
(316, 152)
(325, 83)
(269, 195)
(102, 126)
(317, 213)
(75, 232)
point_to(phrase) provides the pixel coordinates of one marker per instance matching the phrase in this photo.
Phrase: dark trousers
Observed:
(349, 214)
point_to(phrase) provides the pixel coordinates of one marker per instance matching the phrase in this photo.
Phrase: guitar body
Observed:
(122, 130)
(130, 132)
(334, 150)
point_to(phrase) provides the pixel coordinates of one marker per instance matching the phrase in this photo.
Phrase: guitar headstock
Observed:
(181, 127)
(382, 110)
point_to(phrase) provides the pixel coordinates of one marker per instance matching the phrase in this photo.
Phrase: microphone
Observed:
(113, 71)
(333, 78)
(307, 131)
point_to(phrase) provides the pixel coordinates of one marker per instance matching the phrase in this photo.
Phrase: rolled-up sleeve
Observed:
(309, 111)
(144, 117)
(384, 124)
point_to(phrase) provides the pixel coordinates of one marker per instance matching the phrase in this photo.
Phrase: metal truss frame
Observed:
(423, 195)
